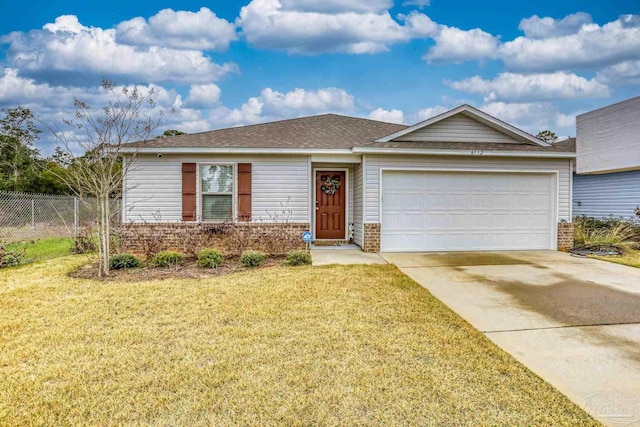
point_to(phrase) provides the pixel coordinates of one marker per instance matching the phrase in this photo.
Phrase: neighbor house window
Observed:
(217, 192)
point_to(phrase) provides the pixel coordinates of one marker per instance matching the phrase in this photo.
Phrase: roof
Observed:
(327, 131)
(561, 147)
(332, 132)
(475, 114)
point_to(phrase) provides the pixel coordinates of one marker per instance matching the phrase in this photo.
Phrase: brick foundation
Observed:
(371, 237)
(565, 236)
(230, 239)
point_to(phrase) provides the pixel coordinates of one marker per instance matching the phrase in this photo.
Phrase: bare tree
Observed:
(101, 135)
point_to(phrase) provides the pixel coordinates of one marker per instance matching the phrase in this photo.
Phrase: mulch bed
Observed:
(597, 249)
(189, 270)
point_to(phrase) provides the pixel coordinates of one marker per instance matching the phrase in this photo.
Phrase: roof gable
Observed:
(464, 124)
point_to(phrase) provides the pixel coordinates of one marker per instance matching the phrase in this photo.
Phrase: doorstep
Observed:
(344, 256)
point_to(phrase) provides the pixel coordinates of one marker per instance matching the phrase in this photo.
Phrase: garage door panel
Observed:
(461, 211)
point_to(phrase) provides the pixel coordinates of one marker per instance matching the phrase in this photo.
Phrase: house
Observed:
(607, 183)
(460, 181)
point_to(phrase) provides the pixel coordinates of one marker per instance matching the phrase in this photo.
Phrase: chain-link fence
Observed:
(40, 226)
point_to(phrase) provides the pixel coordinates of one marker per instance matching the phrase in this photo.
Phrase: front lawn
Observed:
(335, 345)
(42, 248)
(631, 258)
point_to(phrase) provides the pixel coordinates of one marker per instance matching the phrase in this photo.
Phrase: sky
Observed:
(218, 64)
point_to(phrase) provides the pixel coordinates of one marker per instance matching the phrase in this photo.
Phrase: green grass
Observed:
(43, 248)
(630, 258)
(334, 345)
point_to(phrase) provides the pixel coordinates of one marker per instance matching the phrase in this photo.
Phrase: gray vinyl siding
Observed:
(608, 139)
(375, 163)
(358, 226)
(610, 195)
(280, 187)
(458, 128)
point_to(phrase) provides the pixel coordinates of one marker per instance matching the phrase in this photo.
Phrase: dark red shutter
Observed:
(244, 191)
(188, 191)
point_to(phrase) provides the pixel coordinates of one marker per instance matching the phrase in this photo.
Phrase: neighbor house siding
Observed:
(614, 194)
(280, 187)
(608, 139)
(458, 128)
(358, 230)
(375, 163)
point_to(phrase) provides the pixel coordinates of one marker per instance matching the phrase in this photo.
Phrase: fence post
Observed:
(33, 213)
(75, 219)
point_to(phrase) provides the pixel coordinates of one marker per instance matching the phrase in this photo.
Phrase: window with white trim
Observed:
(216, 189)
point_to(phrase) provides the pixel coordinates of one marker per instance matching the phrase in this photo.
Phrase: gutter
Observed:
(354, 150)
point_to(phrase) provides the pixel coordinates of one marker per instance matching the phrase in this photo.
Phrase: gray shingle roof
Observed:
(324, 131)
(328, 131)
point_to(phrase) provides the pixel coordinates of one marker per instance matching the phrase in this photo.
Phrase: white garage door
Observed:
(467, 211)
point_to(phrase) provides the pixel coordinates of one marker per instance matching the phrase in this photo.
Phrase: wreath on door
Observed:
(330, 184)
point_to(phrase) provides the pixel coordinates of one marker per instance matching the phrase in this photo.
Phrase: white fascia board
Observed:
(480, 115)
(239, 150)
(469, 153)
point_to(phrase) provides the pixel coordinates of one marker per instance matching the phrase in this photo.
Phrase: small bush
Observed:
(123, 261)
(209, 258)
(588, 231)
(252, 258)
(167, 259)
(298, 258)
(9, 258)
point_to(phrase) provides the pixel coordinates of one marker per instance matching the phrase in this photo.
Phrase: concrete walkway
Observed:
(327, 256)
(573, 321)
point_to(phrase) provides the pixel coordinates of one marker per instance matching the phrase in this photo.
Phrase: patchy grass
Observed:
(42, 248)
(630, 258)
(336, 345)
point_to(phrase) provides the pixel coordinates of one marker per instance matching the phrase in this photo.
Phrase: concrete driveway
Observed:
(573, 321)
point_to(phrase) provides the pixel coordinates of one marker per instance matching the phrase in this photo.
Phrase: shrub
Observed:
(587, 231)
(9, 258)
(84, 242)
(252, 258)
(298, 258)
(167, 259)
(209, 258)
(123, 261)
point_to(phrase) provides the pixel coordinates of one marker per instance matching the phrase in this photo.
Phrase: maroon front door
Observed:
(330, 205)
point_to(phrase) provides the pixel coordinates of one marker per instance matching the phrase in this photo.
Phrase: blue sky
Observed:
(533, 64)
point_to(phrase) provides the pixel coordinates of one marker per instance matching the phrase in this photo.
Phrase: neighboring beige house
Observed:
(607, 183)
(460, 181)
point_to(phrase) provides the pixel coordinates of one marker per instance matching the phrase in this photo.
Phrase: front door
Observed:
(330, 205)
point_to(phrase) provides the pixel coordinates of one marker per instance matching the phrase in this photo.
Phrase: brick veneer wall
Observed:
(230, 239)
(371, 237)
(565, 236)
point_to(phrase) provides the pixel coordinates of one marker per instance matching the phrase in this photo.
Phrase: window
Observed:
(216, 187)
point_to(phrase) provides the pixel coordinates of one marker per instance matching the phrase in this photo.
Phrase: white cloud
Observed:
(207, 95)
(418, 3)
(274, 105)
(570, 43)
(201, 30)
(592, 46)
(532, 87)
(456, 45)
(336, 6)
(533, 117)
(267, 24)
(68, 48)
(542, 28)
(390, 116)
(427, 113)
(624, 73)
